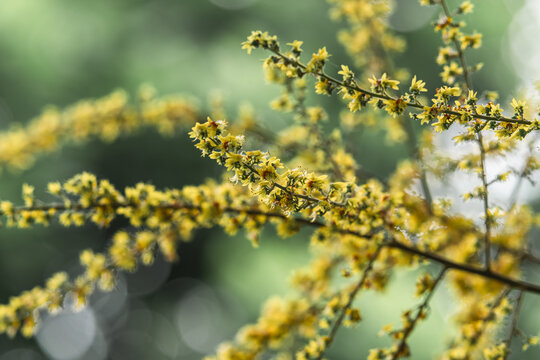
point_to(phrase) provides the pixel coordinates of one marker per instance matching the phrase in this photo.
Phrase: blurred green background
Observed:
(58, 51)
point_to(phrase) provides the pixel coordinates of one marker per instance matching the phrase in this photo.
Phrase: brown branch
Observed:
(513, 325)
(503, 279)
(487, 245)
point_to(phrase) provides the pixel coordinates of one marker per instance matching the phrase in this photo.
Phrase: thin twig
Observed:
(515, 192)
(461, 55)
(513, 325)
(412, 144)
(419, 314)
(352, 295)
(480, 141)
(487, 222)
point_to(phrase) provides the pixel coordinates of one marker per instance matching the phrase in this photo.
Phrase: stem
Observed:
(419, 314)
(503, 279)
(487, 246)
(468, 83)
(352, 295)
(491, 311)
(387, 97)
(167, 206)
(515, 192)
(412, 144)
(284, 188)
(392, 243)
(466, 74)
(513, 325)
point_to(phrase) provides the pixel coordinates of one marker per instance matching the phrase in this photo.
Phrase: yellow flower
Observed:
(445, 54)
(54, 188)
(296, 47)
(417, 86)
(466, 7)
(7, 208)
(380, 85)
(450, 72)
(471, 41)
(317, 61)
(324, 87)
(395, 107)
(346, 73)
(446, 92)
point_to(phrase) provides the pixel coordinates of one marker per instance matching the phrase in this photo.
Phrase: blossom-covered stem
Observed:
(300, 196)
(461, 55)
(414, 151)
(513, 283)
(479, 139)
(487, 245)
(419, 314)
(168, 206)
(513, 325)
(492, 310)
(416, 105)
(106, 118)
(284, 188)
(352, 295)
(177, 205)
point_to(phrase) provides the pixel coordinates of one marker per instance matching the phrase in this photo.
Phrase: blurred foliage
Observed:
(57, 52)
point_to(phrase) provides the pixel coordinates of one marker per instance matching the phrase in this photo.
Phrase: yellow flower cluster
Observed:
(454, 236)
(449, 105)
(477, 324)
(105, 118)
(358, 208)
(367, 36)
(164, 216)
(361, 211)
(279, 320)
(306, 142)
